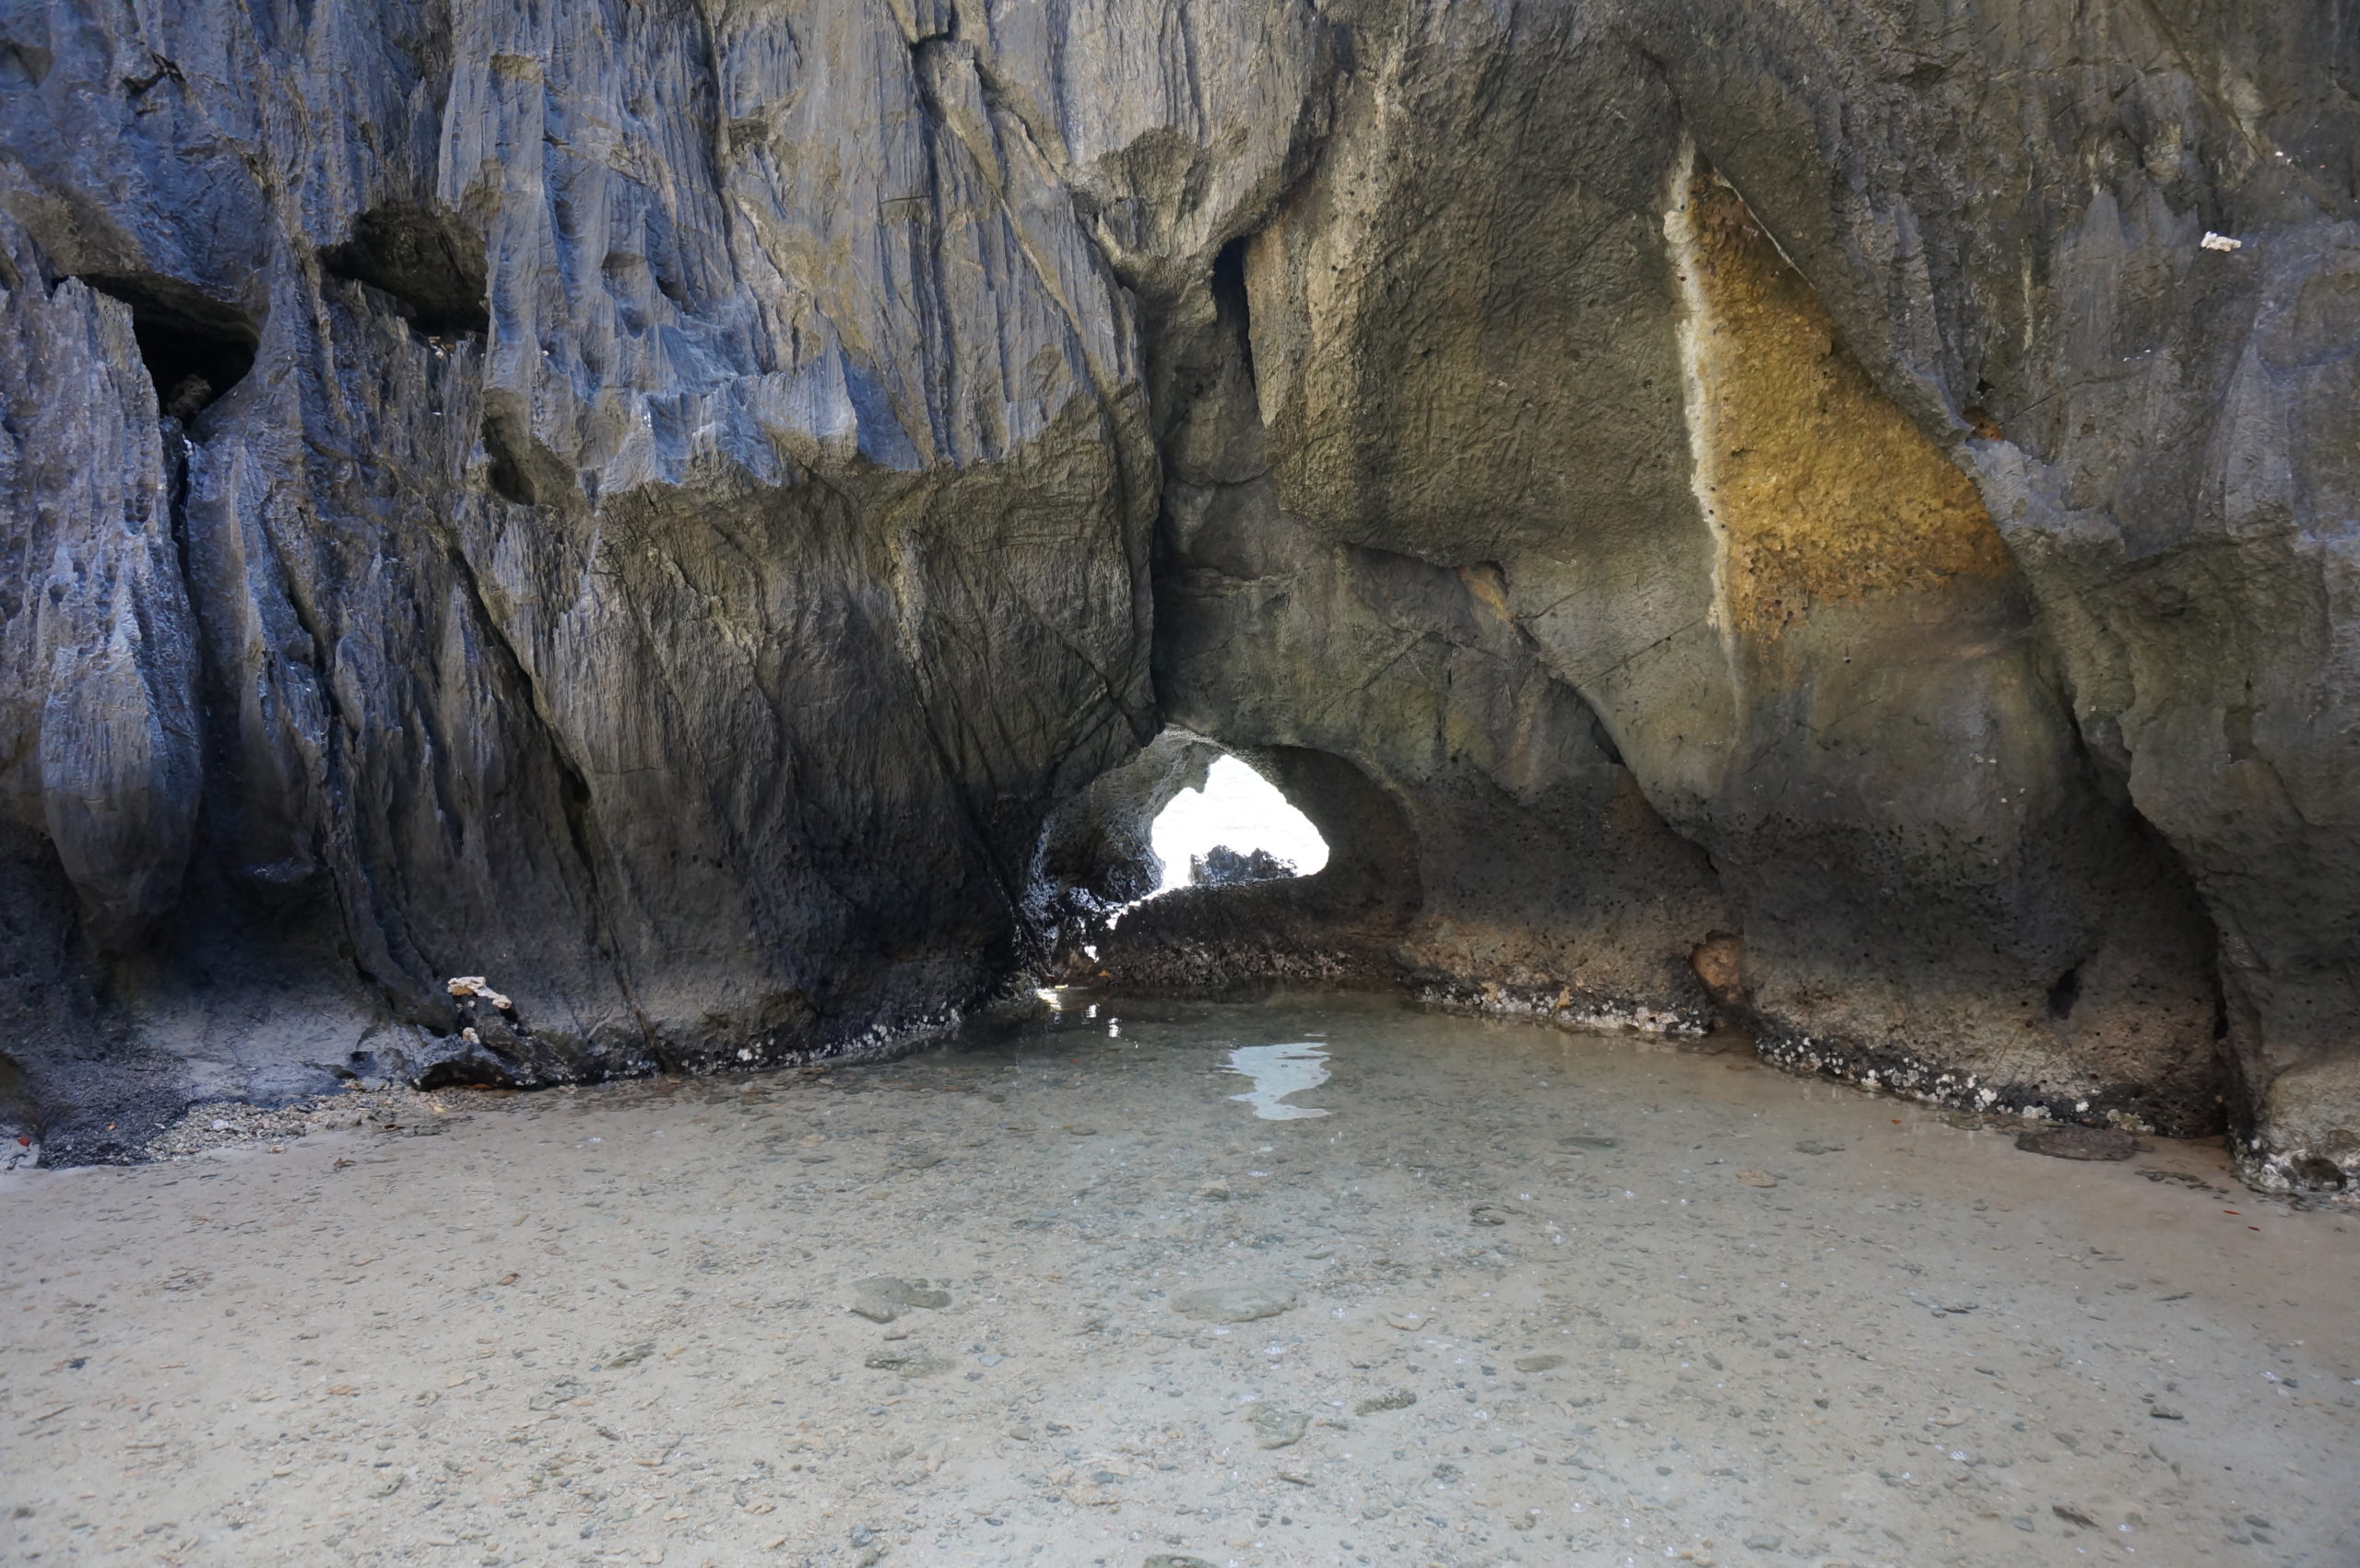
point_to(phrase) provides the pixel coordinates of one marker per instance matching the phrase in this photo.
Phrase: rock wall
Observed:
(682, 522)
(658, 504)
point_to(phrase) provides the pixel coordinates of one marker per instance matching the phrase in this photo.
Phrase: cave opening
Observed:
(427, 261)
(195, 349)
(1236, 827)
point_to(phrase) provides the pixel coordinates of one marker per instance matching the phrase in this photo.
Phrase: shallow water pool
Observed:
(1518, 1295)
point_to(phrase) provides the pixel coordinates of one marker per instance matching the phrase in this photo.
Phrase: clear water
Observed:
(1522, 1303)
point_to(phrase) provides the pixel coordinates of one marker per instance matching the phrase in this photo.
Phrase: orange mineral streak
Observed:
(1822, 490)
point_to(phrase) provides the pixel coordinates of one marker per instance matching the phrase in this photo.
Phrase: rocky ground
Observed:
(1055, 1297)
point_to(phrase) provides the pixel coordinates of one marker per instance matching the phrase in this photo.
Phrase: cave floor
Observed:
(612, 1326)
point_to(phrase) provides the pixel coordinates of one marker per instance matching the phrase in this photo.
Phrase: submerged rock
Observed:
(882, 1298)
(2081, 1143)
(1276, 1426)
(1391, 1400)
(1233, 1303)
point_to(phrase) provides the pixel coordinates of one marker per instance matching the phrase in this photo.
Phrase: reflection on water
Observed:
(1278, 1071)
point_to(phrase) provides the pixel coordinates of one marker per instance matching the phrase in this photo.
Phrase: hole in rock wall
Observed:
(1238, 828)
(1229, 300)
(195, 348)
(2065, 993)
(426, 259)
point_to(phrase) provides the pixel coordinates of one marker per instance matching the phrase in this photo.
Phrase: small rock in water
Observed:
(1539, 1364)
(1233, 1303)
(1489, 1214)
(2081, 1143)
(1276, 1426)
(2164, 1413)
(1757, 1178)
(1391, 1400)
(1762, 1543)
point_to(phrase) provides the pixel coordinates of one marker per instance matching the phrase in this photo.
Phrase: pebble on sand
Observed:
(1275, 1426)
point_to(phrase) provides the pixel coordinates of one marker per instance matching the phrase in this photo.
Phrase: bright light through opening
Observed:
(1238, 808)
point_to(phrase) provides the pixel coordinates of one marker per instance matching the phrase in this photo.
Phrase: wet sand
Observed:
(614, 1325)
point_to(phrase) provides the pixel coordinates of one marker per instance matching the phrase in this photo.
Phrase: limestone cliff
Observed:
(659, 504)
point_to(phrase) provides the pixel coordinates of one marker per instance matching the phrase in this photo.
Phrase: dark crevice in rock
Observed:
(427, 260)
(162, 69)
(1231, 305)
(2065, 993)
(195, 348)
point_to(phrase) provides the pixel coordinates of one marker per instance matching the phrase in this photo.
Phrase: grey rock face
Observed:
(682, 527)
(658, 506)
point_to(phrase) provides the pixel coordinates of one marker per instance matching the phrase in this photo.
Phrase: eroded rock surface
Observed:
(1770, 509)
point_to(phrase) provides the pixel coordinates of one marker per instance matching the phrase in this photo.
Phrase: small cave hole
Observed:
(2065, 993)
(425, 259)
(1238, 828)
(195, 349)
